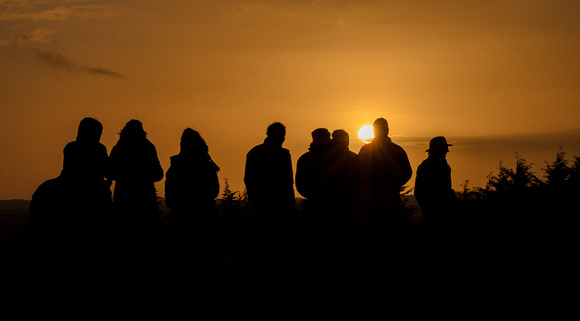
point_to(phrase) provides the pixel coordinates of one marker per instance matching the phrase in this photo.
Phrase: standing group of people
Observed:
(352, 201)
(353, 207)
(77, 226)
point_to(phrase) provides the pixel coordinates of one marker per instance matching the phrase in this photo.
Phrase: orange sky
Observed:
(493, 76)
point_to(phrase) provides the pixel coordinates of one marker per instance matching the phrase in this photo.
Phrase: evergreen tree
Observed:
(558, 171)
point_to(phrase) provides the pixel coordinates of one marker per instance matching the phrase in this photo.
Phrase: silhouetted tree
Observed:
(233, 203)
(509, 180)
(557, 171)
(234, 222)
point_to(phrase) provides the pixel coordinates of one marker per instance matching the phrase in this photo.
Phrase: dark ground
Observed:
(492, 275)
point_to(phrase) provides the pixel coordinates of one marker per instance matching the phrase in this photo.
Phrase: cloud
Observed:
(38, 36)
(60, 62)
(104, 72)
(551, 140)
(56, 61)
(53, 10)
(568, 139)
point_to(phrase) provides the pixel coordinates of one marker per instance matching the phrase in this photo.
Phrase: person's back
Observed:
(270, 186)
(135, 167)
(313, 178)
(384, 169)
(433, 189)
(69, 215)
(191, 186)
(344, 170)
(268, 174)
(86, 159)
(191, 183)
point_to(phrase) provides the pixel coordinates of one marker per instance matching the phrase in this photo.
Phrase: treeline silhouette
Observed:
(355, 224)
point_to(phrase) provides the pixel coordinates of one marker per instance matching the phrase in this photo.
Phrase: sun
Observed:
(366, 134)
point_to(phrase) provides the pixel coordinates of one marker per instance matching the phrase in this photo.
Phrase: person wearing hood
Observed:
(191, 186)
(65, 234)
(86, 159)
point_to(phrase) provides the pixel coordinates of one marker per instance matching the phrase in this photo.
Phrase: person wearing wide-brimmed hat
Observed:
(433, 189)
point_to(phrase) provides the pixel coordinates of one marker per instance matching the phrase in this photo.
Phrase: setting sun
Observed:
(366, 133)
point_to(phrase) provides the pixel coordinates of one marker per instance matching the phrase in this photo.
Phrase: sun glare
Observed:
(366, 134)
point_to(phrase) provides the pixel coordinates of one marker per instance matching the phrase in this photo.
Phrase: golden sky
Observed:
(493, 76)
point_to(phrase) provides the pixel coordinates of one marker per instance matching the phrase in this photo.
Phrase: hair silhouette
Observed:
(191, 186)
(135, 168)
(133, 131)
(90, 130)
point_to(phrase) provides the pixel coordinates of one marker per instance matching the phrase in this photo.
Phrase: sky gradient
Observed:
(494, 77)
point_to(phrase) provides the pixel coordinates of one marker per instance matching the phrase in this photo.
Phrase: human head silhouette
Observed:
(320, 136)
(340, 137)
(276, 132)
(438, 146)
(89, 130)
(133, 130)
(190, 139)
(381, 127)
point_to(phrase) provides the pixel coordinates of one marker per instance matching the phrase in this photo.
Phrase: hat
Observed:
(438, 143)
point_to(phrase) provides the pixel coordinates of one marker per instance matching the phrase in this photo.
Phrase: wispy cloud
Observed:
(569, 139)
(38, 36)
(103, 72)
(60, 62)
(53, 9)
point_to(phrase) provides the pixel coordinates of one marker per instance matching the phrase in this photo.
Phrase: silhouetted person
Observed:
(312, 167)
(435, 196)
(191, 186)
(433, 185)
(135, 167)
(67, 229)
(383, 168)
(86, 159)
(269, 183)
(344, 170)
(315, 181)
